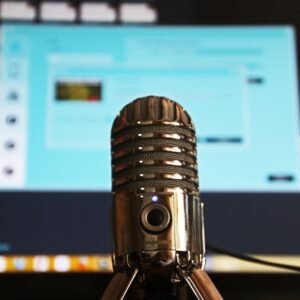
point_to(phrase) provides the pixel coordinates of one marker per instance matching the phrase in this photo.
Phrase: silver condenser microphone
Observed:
(158, 215)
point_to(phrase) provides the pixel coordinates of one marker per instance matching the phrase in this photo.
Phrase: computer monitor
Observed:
(62, 86)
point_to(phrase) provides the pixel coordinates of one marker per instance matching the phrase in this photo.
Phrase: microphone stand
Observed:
(198, 281)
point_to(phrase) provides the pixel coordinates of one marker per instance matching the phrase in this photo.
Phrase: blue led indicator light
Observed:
(154, 198)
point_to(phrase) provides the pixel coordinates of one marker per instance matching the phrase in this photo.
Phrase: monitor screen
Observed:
(63, 85)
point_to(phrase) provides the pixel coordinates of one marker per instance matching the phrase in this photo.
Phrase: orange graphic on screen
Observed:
(78, 91)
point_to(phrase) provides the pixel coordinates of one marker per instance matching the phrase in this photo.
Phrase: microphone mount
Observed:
(158, 215)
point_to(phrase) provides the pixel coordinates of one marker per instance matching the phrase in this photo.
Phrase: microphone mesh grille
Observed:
(154, 146)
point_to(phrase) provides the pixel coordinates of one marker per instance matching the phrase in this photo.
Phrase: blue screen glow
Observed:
(63, 86)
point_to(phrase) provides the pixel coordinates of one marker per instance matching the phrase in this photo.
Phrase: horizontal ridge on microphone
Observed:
(154, 146)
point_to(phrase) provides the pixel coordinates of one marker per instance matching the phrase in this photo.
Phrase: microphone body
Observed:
(157, 213)
(158, 219)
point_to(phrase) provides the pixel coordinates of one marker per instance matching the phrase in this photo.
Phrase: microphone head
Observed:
(154, 147)
(157, 210)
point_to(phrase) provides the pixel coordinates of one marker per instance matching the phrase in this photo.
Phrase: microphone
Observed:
(158, 215)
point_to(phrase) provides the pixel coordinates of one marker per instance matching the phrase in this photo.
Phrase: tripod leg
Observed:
(182, 292)
(201, 285)
(205, 285)
(118, 286)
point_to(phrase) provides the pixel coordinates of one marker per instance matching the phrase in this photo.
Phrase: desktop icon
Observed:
(83, 263)
(41, 263)
(103, 263)
(62, 263)
(19, 263)
(3, 264)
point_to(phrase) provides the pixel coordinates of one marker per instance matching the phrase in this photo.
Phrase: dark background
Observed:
(250, 223)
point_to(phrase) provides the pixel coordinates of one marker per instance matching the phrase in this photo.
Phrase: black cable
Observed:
(252, 259)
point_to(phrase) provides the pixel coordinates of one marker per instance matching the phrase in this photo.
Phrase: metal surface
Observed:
(182, 234)
(154, 165)
(204, 285)
(119, 285)
(163, 219)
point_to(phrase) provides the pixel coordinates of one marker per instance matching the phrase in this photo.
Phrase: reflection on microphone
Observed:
(158, 215)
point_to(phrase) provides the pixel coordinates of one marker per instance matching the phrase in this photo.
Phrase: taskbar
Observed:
(101, 263)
